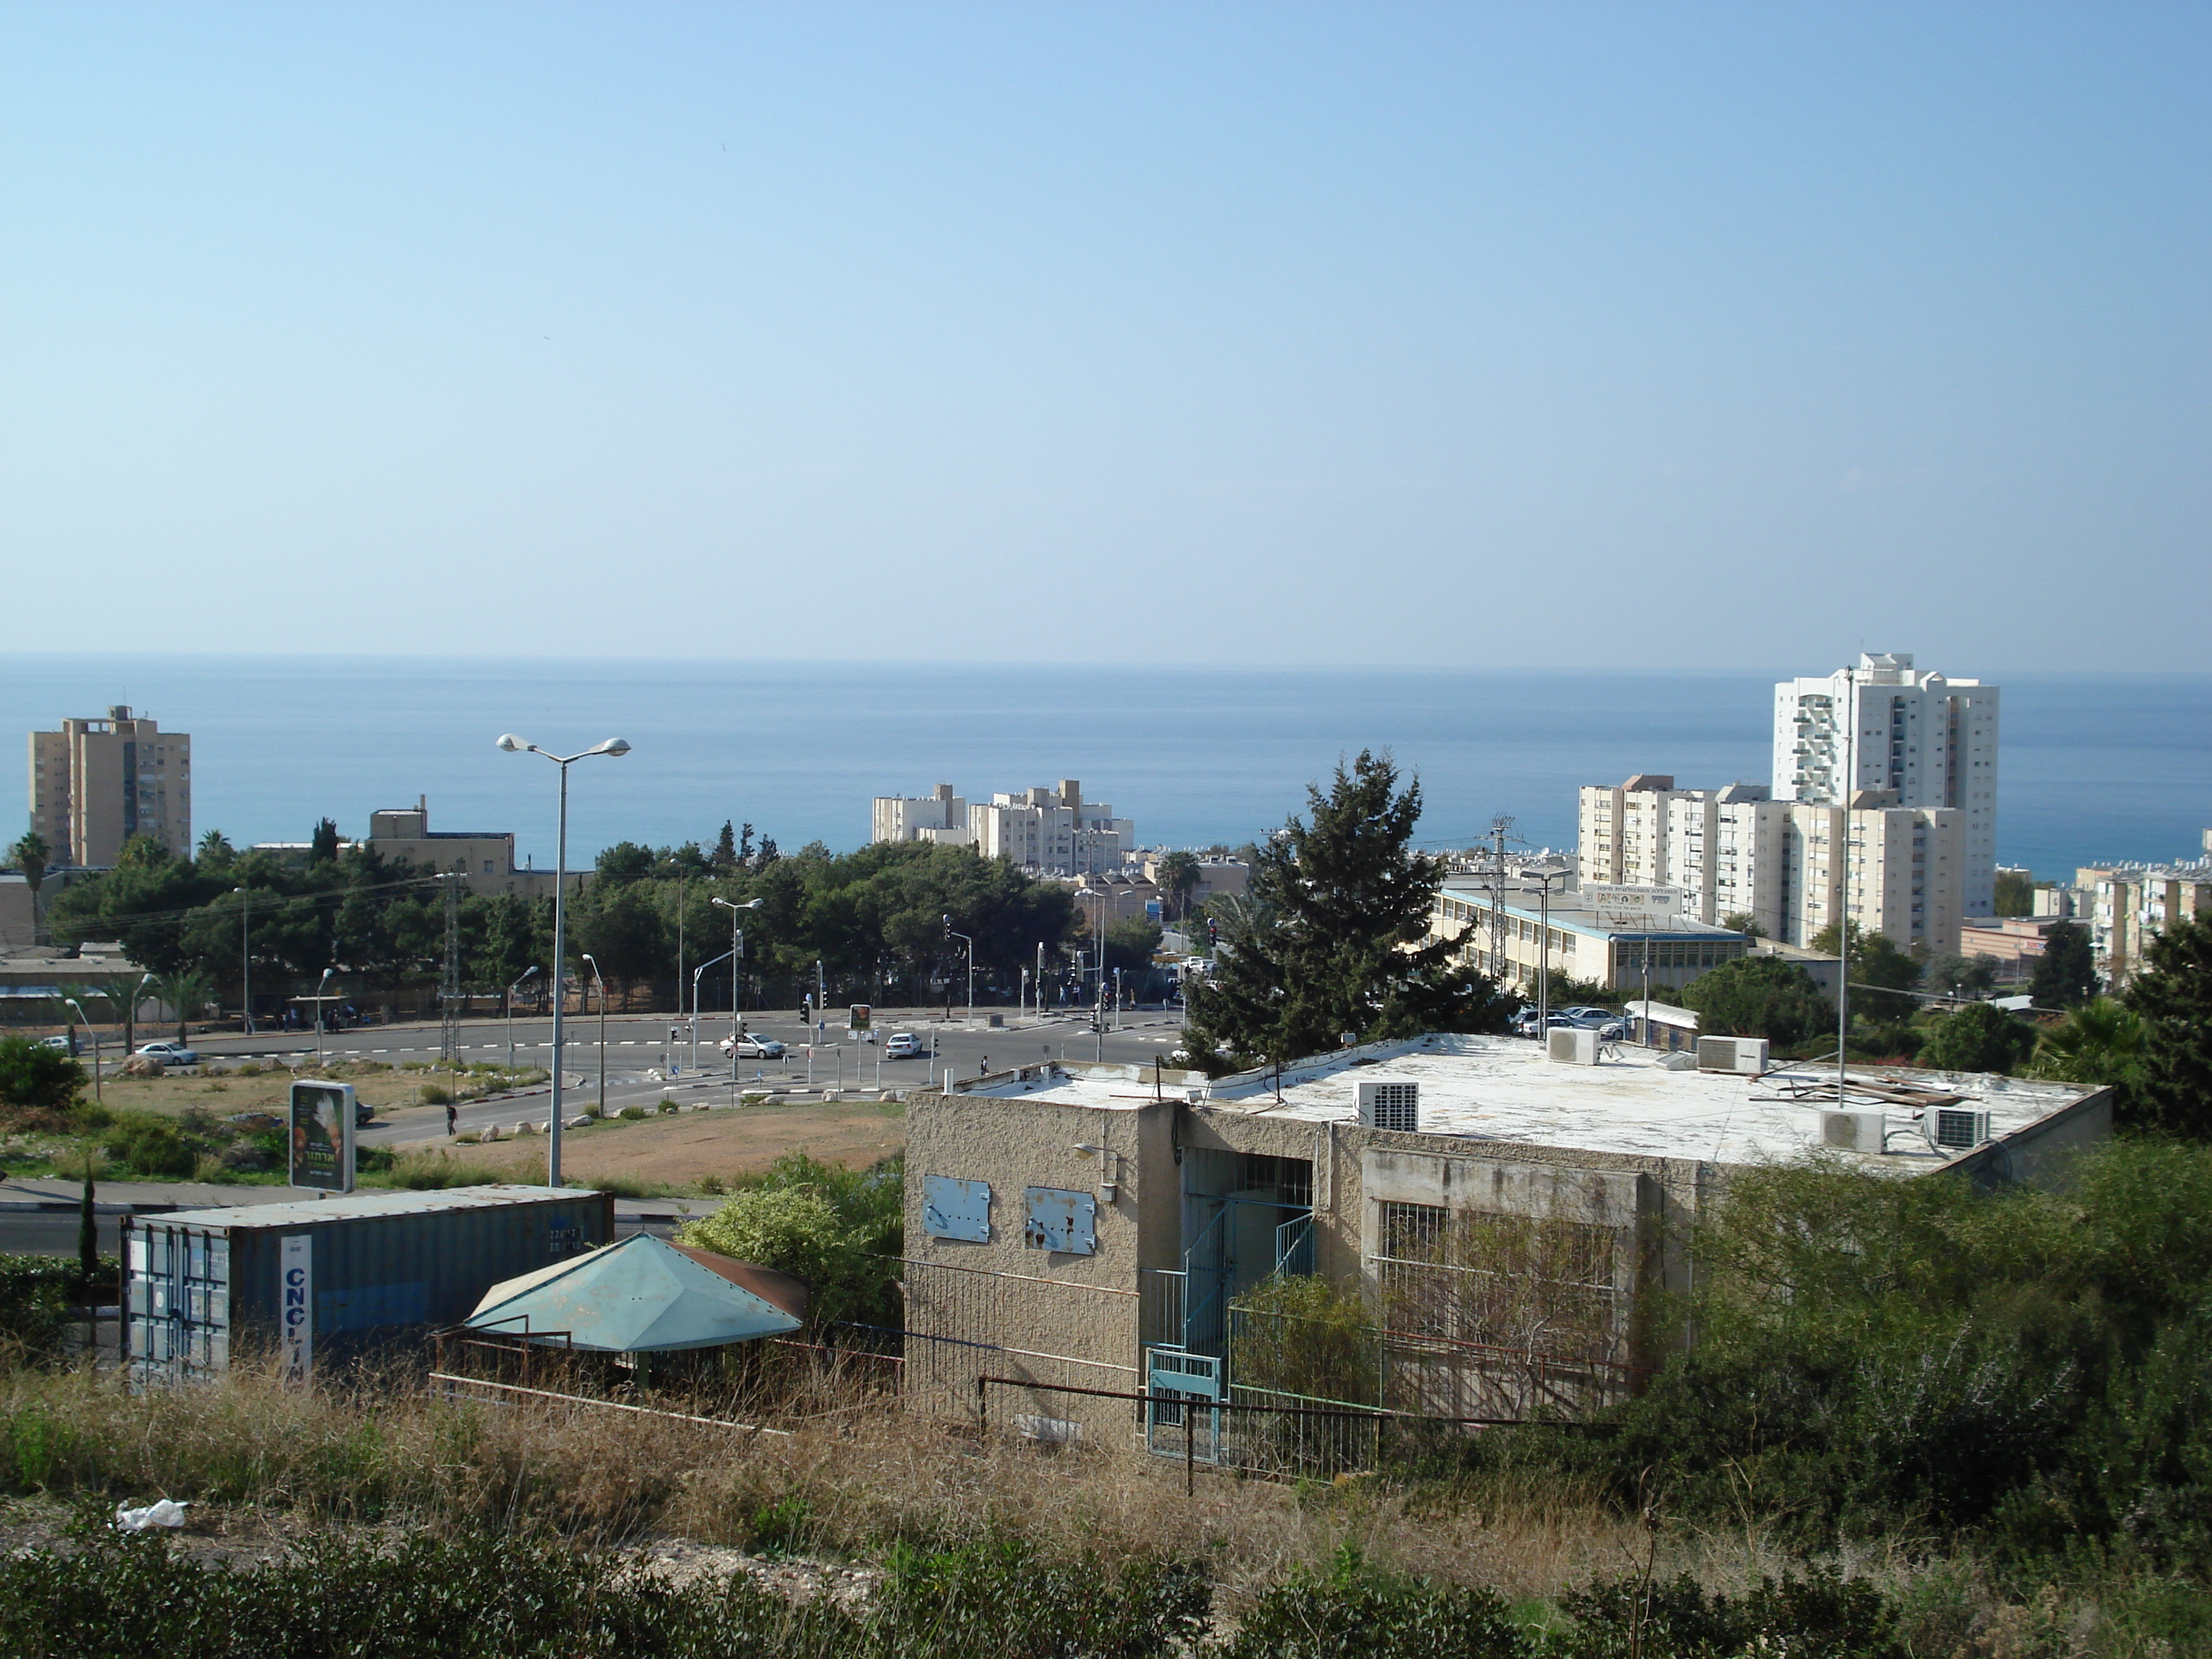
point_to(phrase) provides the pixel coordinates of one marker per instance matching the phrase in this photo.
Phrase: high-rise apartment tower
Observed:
(1884, 733)
(95, 783)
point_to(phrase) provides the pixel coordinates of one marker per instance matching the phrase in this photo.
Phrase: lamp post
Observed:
(970, 944)
(528, 974)
(245, 963)
(697, 973)
(320, 983)
(601, 986)
(514, 744)
(94, 1030)
(131, 1014)
(737, 955)
(1544, 879)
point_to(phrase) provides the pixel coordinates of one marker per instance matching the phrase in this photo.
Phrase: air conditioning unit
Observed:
(1955, 1128)
(1570, 1045)
(1853, 1132)
(1744, 1055)
(1389, 1105)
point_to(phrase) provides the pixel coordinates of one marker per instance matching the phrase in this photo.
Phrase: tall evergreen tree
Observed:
(1351, 902)
(726, 847)
(2172, 992)
(323, 845)
(2066, 973)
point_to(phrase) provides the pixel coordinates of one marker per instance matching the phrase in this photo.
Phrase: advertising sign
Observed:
(861, 1013)
(322, 1136)
(296, 1305)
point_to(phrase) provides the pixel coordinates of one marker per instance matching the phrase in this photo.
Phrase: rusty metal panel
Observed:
(953, 1208)
(1061, 1221)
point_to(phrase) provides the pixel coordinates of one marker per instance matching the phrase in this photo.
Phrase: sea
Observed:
(2092, 767)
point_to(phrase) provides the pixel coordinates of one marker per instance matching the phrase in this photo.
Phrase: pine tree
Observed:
(1351, 902)
(2172, 992)
(323, 845)
(726, 847)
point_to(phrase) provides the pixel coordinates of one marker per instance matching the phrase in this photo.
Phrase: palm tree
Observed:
(2100, 1042)
(187, 992)
(29, 855)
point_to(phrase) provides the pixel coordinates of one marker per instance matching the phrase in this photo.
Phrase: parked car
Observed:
(1524, 1023)
(750, 1046)
(1582, 1014)
(363, 1113)
(169, 1053)
(903, 1045)
(60, 1043)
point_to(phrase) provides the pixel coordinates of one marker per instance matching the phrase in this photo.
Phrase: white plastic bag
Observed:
(163, 1512)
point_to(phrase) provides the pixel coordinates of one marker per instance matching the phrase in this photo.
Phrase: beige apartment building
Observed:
(1053, 831)
(1792, 867)
(95, 783)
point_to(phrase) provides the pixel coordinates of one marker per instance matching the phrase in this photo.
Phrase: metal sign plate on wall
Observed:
(1061, 1221)
(952, 1208)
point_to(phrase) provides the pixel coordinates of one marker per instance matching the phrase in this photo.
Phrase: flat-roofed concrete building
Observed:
(1610, 934)
(939, 817)
(1505, 1219)
(485, 856)
(97, 782)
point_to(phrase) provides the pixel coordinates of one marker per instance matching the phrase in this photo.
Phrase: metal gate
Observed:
(1191, 1415)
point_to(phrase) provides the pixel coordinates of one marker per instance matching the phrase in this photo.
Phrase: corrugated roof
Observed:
(353, 1206)
(641, 1296)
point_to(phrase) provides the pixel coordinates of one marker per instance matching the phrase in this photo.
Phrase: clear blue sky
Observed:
(1479, 335)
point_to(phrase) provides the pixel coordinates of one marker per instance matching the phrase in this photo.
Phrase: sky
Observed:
(1475, 336)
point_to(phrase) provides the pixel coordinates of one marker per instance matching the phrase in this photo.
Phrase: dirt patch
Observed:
(683, 1148)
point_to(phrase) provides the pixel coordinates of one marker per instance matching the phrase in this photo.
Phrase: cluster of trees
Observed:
(875, 919)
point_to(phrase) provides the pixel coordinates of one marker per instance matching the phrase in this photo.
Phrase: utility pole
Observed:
(950, 934)
(449, 1033)
(1499, 828)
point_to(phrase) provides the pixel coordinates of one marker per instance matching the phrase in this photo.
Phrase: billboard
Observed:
(861, 1013)
(322, 1136)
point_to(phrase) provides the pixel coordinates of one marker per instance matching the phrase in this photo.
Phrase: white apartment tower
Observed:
(95, 783)
(939, 816)
(1053, 830)
(1884, 730)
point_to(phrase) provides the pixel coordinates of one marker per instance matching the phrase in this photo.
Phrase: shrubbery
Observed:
(840, 1229)
(35, 1078)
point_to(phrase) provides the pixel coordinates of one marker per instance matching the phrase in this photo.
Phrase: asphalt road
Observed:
(637, 1046)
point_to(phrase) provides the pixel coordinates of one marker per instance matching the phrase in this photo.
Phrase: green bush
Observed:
(840, 1229)
(988, 1599)
(150, 1146)
(35, 1078)
(1980, 1038)
(633, 1114)
(1825, 1616)
(435, 1094)
(1760, 997)
(1354, 1611)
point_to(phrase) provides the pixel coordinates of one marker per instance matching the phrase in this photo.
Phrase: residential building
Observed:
(1052, 831)
(939, 817)
(95, 783)
(2014, 943)
(1514, 1220)
(1736, 852)
(1924, 740)
(1217, 877)
(1609, 935)
(485, 856)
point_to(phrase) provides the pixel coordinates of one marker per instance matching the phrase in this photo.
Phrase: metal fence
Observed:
(964, 1322)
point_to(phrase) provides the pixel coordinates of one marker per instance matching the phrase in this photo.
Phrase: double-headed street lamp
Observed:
(950, 932)
(514, 744)
(320, 983)
(737, 955)
(93, 1031)
(245, 964)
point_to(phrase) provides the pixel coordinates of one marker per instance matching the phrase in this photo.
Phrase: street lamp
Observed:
(131, 1014)
(94, 1032)
(527, 973)
(514, 744)
(696, 973)
(737, 955)
(1544, 879)
(244, 962)
(601, 986)
(320, 983)
(970, 944)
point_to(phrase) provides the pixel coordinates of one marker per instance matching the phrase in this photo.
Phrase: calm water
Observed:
(2093, 767)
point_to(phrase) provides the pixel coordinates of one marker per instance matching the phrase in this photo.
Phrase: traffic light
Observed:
(948, 930)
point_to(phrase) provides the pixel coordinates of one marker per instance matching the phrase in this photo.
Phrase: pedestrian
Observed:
(452, 1119)
(984, 1070)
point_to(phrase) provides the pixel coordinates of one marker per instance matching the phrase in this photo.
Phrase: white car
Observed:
(750, 1047)
(169, 1053)
(904, 1045)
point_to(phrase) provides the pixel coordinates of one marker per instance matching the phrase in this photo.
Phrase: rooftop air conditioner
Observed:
(1852, 1131)
(1571, 1045)
(1955, 1128)
(1389, 1105)
(1744, 1055)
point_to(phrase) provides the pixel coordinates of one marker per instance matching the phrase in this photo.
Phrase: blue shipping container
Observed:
(325, 1280)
